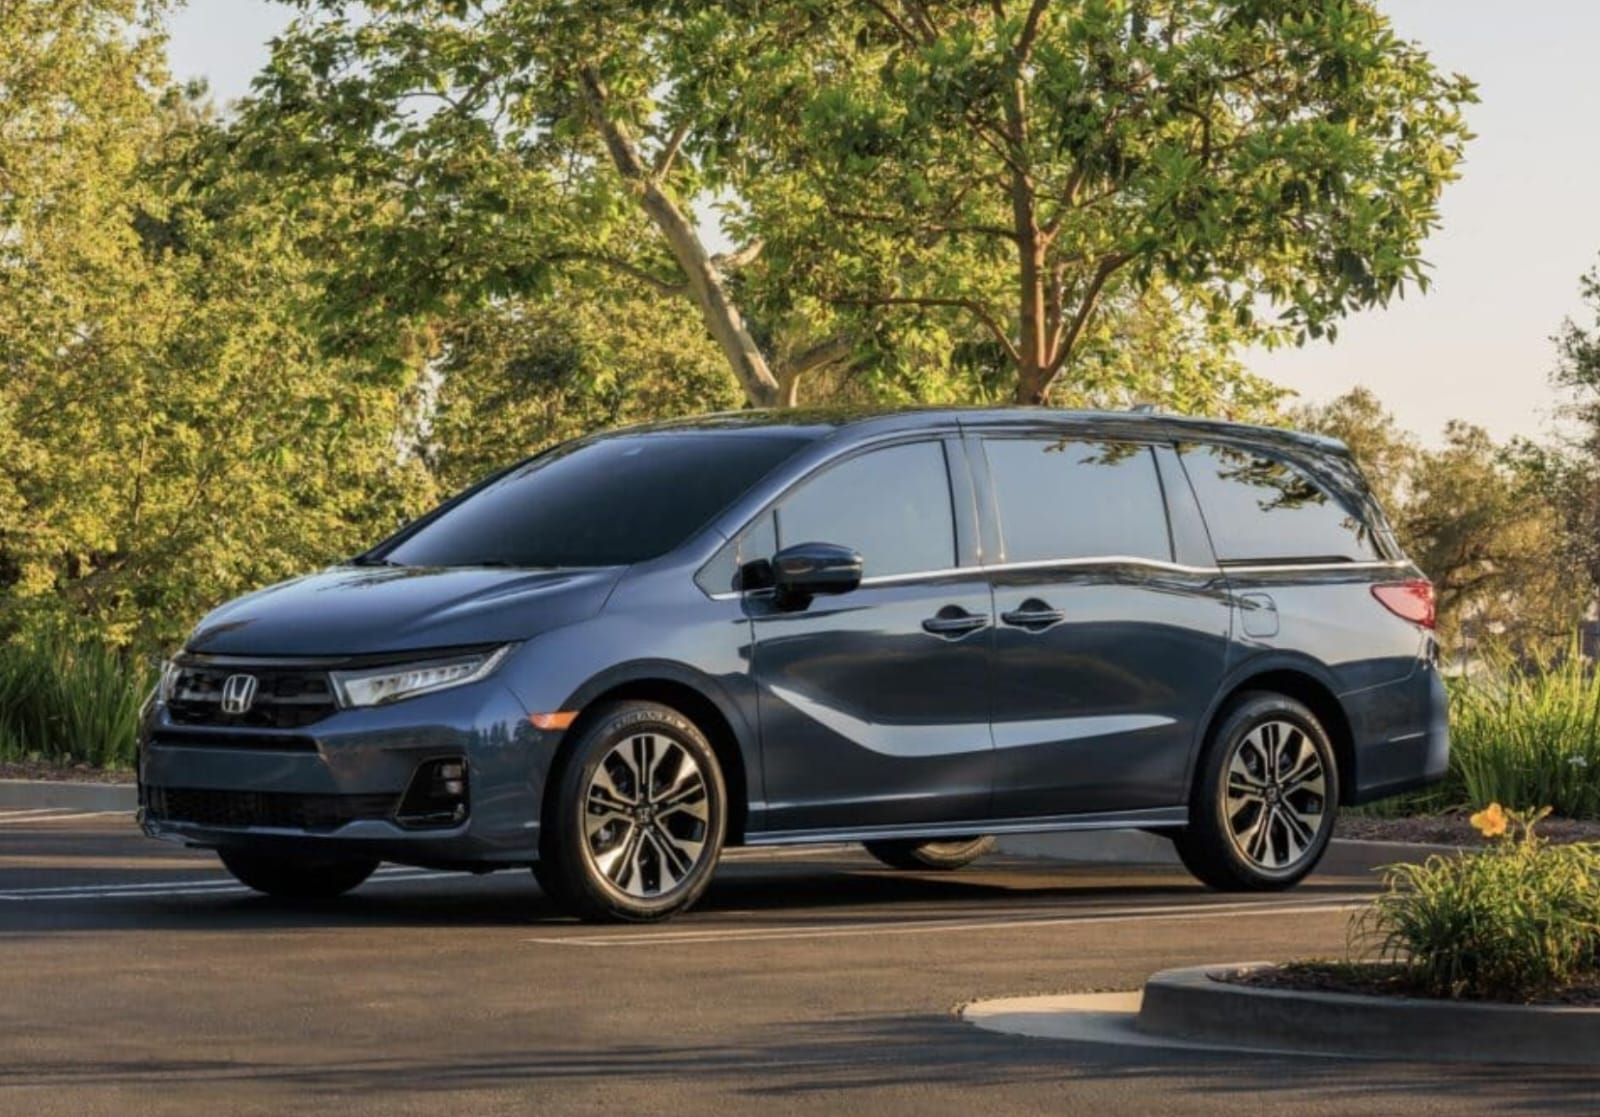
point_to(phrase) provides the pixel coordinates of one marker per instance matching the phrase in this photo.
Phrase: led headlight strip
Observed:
(374, 686)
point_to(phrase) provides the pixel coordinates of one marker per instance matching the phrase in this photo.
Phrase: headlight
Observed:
(168, 684)
(374, 686)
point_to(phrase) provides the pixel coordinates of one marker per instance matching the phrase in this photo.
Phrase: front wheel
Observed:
(1263, 806)
(637, 817)
(297, 878)
(953, 853)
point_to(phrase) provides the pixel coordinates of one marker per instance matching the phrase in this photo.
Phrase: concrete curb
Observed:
(67, 795)
(1192, 1006)
(1125, 847)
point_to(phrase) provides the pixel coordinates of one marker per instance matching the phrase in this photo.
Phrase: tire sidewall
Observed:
(565, 845)
(1209, 802)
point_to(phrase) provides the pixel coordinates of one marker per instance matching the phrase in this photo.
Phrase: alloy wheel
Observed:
(646, 815)
(1275, 796)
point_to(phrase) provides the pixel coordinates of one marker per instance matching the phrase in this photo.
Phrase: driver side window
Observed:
(891, 505)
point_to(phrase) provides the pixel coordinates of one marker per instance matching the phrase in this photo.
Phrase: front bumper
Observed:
(336, 786)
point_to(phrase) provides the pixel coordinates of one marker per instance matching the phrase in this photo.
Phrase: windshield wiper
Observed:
(372, 560)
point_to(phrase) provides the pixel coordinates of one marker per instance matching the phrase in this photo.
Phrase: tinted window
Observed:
(1262, 509)
(608, 502)
(892, 505)
(1061, 499)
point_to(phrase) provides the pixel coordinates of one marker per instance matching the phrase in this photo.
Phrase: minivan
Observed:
(914, 630)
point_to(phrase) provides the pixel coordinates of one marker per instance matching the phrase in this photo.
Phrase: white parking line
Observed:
(10, 819)
(943, 926)
(216, 887)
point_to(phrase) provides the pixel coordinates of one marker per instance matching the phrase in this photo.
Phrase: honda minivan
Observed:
(912, 630)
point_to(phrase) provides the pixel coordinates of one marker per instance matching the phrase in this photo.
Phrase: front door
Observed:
(1107, 651)
(874, 704)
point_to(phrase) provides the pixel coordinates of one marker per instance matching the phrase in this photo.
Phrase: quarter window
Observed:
(1261, 509)
(892, 505)
(1060, 498)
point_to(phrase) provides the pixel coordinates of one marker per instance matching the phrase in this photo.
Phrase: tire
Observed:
(608, 853)
(297, 878)
(952, 853)
(1266, 827)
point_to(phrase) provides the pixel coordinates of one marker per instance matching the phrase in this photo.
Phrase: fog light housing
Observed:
(437, 796)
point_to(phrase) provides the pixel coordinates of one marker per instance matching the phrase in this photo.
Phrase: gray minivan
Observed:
(913, 630)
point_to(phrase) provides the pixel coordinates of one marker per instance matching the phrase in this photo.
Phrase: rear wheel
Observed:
(951, 853)
(297, 878)
(1263, 807)
(637, 817)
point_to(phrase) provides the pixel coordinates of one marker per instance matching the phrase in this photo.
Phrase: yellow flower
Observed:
(1491, 822)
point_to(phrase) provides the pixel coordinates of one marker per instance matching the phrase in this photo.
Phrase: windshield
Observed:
(609, 502)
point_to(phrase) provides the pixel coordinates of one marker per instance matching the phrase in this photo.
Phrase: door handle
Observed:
(954, 621)
(1033, 615)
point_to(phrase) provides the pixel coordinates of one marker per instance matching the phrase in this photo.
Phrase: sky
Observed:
(1519, 228)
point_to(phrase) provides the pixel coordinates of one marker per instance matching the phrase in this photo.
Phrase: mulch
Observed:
(1452, 829)
(76, 773)
(1380, 979)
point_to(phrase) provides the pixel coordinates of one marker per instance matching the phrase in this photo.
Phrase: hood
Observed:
(357, 610)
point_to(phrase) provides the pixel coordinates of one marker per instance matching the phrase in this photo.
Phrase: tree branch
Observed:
(1091, 296)
(739, 258)
(669, 153)
(617, 263)
(971, 306)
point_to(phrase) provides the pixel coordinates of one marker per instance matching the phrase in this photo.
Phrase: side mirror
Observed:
(808, 569)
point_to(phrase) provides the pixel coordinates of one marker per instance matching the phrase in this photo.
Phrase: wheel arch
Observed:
(1307, 683)
(696, 697)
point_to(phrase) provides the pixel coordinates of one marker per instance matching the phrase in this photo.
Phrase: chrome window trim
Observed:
(1103, 560)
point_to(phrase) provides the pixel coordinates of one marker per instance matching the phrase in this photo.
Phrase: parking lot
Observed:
(140, 979)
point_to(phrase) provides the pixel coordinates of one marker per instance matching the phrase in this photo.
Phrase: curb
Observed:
(1191, 1005)
(67, 795)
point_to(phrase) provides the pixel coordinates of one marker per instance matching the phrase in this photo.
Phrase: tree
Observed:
(1100, 159)
(173, 435)
(509, 147)
(1386, 454)
(1025, 164)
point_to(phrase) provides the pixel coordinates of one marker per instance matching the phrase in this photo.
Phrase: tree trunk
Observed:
(721, 316)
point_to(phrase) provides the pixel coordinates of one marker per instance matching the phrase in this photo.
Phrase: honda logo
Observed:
(238, 693)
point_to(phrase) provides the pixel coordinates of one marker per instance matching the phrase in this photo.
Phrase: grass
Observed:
(70, 702)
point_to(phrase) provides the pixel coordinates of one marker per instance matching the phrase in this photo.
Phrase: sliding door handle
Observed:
(954, 621)
(1033, 615)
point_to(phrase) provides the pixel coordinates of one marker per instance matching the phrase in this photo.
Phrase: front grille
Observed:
(285, 697)
(238, 810)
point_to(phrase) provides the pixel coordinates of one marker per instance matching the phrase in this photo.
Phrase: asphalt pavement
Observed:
(139, 979)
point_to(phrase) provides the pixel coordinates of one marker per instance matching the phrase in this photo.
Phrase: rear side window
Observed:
(1064, 499)
(1261, 509)
(892, 505)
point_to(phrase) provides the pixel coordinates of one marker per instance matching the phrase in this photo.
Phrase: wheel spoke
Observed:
(615, 861)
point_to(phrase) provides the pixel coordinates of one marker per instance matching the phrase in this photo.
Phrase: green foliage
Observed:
(1527, 735)
(71, 701)
(1020, 166)
(517, 378)
(174, 432)
(1513, 922)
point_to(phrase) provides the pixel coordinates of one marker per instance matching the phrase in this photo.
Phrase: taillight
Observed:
(1410, 600)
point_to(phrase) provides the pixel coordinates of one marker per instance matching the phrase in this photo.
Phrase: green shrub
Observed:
(1528, 736)
(70, 701)
(1511, 922)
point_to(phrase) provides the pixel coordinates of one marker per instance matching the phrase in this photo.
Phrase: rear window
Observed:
(609, 502)
(1261, 509)
(1063, 499)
